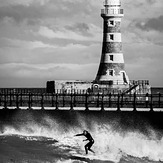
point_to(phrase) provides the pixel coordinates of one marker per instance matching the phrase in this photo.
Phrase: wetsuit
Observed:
(90, 143)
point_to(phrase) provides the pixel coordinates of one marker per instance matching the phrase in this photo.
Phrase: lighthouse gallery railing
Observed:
(112, 11)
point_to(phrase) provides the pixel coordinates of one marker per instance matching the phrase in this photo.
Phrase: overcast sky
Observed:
(44, 40)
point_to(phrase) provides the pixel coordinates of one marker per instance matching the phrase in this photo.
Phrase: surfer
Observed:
(89, 138)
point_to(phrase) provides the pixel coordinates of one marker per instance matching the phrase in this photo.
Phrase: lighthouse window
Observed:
(111, 22)
(111, 57)
(111, 72)
(111, 37)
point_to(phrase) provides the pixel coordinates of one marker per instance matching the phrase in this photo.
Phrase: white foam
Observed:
(108, 141)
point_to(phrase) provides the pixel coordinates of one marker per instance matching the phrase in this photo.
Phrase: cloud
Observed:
(141, 32)
(144, 61)
(81, 28)
(38, 52)
(139, 11)
(38, 74)
(22, 2)
(45, 39)
(152, 24)
(19, 14)
(24, 44)
(62, 34)
(94, 33)
(21, 10)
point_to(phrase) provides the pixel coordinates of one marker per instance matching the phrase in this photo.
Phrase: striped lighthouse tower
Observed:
(111, 70)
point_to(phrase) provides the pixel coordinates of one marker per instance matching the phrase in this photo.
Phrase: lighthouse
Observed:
(112, 67)
(111, 76)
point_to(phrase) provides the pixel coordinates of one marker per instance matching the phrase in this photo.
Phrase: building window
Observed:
(111, 57)
(111, 72)
(111, 37)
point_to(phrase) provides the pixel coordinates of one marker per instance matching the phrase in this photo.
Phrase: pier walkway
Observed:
(84, 109)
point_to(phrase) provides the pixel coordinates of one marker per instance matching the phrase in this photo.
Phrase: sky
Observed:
(43, 40)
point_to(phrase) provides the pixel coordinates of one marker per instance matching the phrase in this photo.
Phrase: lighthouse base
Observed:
(138, 87)
(110, 87)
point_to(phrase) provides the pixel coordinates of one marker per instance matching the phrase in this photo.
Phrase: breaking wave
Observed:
(114, 141)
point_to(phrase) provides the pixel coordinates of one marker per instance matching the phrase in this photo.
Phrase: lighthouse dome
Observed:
(112, 2)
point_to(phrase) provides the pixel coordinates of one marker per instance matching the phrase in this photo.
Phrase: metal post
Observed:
(110, 99)
(17, 101)
(102, 102)
(56, 102)
(63, 99)
(159, 100)
(122, 100)
(29, 101)
(42, 101)
(71, 102)
(21, 99)
(5, 101)
(0, 98)
(118, 102)
(74, 99)
(52, 99)
(98, 96)
(10, 99)
(151, 106)
(146, 100)
(134, 102)
(86, 101)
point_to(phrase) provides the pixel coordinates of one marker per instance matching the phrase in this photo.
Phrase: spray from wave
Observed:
(113, 140)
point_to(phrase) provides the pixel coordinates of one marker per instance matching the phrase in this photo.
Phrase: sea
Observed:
(49, 137)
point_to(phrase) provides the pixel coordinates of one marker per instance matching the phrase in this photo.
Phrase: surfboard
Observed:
(80, 158)
(88, 158)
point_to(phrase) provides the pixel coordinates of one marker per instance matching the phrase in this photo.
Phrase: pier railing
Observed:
(84, 100)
